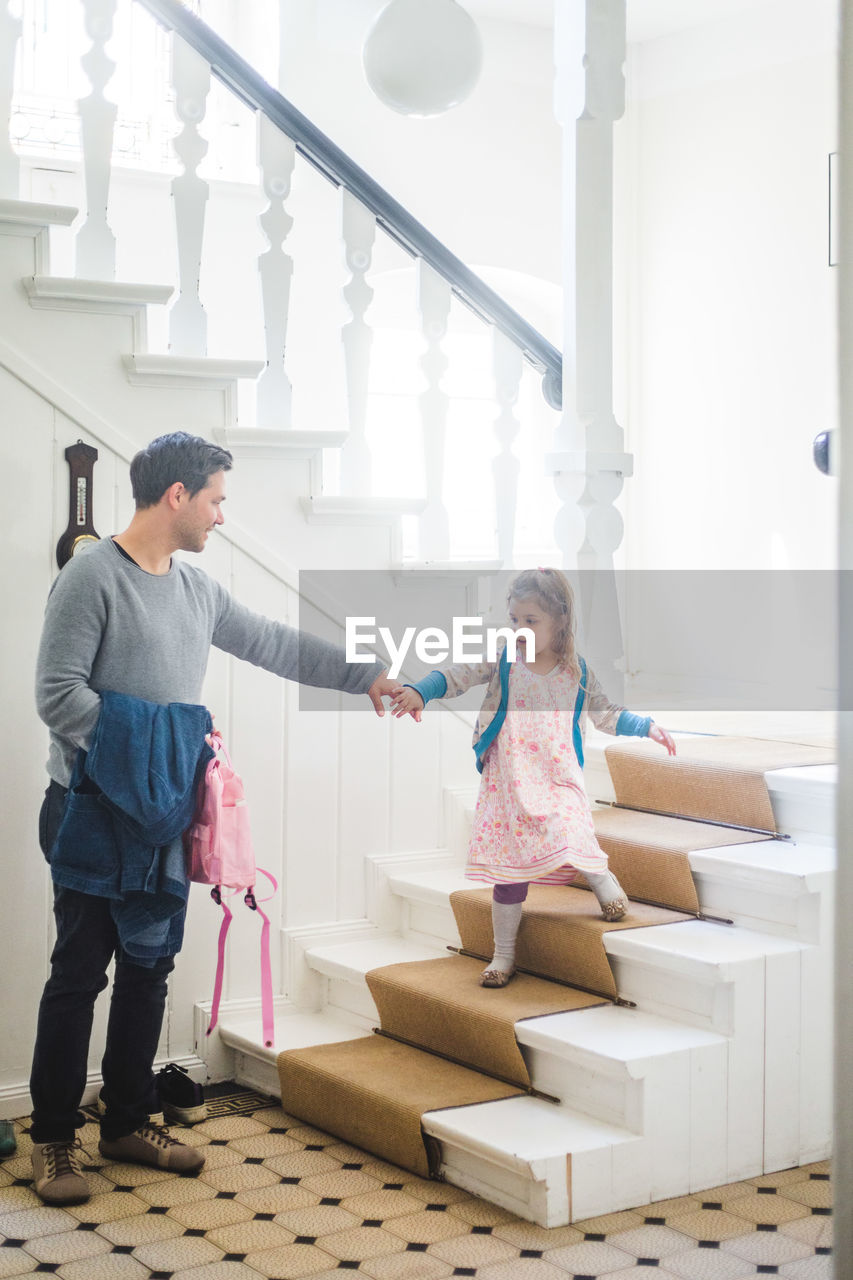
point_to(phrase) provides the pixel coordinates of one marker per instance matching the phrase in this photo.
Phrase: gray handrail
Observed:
(244, 81)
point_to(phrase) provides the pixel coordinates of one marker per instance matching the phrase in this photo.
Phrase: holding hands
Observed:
(407, 701)
(381, 688)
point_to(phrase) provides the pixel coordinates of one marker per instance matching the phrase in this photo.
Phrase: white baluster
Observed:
(10, 34)
(590, 96)
(590, 464)
(95, 243)
(508, 364)
(276, 157)
(191, 80)
(434, 305)
(359, 231)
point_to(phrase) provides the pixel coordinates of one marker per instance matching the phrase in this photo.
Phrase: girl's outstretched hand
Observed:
(657, 734)
(407, 701)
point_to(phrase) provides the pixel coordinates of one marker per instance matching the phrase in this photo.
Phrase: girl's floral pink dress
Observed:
(533, 820)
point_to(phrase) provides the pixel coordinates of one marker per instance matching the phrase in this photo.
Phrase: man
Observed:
(126, 617)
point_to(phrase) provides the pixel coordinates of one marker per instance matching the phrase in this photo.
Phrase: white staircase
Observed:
(720, 1072)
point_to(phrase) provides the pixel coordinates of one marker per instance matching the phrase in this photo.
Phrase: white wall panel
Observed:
(312, 817)
(367, 744)
(26, 449)
(708, 1124)
(746, 1074)
(257, 750)
(416, 777)
(459, 764)
(816, 1067)
(782, 1138)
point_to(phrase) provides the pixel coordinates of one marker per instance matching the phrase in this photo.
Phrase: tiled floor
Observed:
(278, 1199)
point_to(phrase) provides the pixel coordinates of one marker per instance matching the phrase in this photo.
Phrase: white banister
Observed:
(434, 296)
(359, 234)
(191, 80)
(95, 243)
(507, 364)
(276, 157)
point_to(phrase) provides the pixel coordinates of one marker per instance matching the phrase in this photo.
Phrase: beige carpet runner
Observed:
(440, 1005)
(449, 1042)
(372, 1092)
(648, 854)
(718, 779)
(561, 934)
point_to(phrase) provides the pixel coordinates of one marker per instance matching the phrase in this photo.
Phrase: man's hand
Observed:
(382, 687)
(657, 734)
(407, 702)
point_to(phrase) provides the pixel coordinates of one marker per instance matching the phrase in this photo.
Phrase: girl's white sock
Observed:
(506, 917)
(604, 885)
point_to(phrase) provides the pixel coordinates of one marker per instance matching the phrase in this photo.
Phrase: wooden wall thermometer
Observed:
(81, 458)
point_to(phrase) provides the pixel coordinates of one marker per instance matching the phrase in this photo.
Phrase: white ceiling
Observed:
(647, 19)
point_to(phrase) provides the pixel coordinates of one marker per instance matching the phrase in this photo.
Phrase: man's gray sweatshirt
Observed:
(110, 625)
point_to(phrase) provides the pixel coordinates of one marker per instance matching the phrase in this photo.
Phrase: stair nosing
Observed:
(157, 369)
(37, 214)
(107, 293)
(440, 1124)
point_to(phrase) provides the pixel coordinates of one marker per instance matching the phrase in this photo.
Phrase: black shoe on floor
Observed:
(182, 1099)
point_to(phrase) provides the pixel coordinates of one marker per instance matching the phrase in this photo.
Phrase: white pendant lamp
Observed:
(422, 57)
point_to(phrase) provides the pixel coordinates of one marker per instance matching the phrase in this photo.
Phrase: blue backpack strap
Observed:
(492, 731)
(577, 737)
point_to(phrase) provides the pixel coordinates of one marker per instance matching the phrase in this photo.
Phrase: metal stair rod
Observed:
(242, 79)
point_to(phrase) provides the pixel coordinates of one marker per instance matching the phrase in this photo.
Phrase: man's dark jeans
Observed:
(86, 940)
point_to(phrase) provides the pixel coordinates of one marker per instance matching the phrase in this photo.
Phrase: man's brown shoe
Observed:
(153, 1144)
(56, 1173)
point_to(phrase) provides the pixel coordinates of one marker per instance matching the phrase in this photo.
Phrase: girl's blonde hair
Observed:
(552, 591)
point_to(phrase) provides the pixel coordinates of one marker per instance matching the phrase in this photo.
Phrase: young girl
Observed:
(533, 820)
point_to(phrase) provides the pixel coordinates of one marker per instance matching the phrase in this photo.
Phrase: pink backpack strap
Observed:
(216, 895)
(267, 1012)
(267, 1015)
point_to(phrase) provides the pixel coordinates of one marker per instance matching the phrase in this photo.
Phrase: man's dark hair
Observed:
(177, 456)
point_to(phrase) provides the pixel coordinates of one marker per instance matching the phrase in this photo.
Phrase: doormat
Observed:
(224, 1099)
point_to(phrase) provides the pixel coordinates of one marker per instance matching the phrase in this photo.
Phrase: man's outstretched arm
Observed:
(297, 655)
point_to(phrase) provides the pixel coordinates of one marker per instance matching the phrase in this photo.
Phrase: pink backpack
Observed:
(218, 845)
